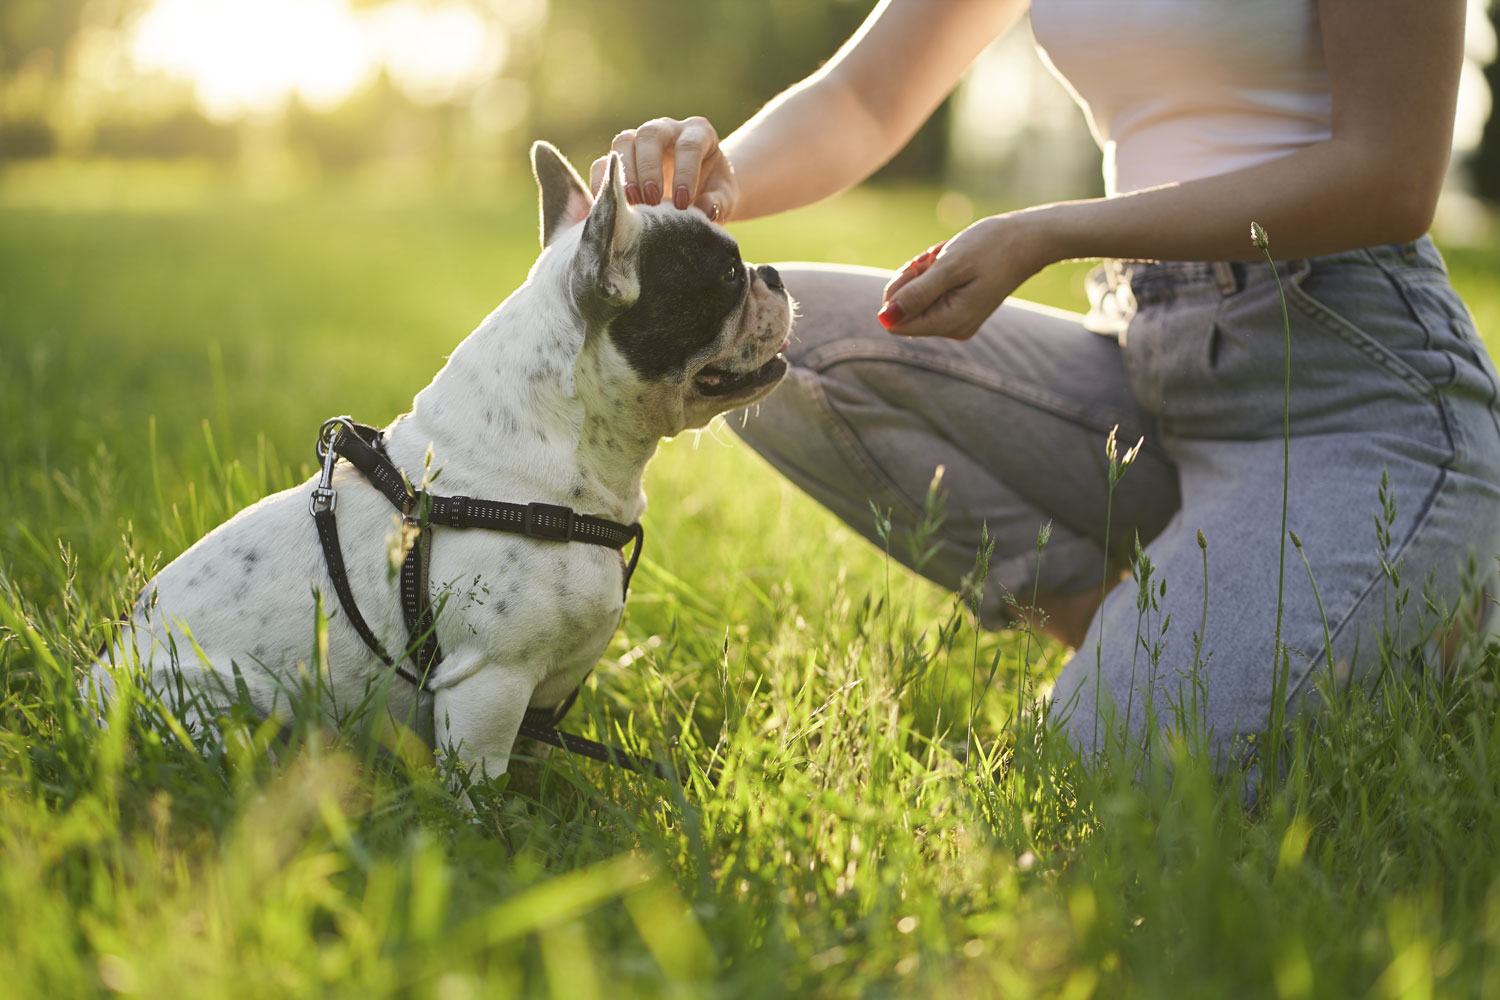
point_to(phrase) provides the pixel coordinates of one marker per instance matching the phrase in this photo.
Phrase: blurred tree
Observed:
(26, 137)
(1486, 162)
(604, 67)
(32, 29)
(184, 132)
(358, 130)
(35, 38)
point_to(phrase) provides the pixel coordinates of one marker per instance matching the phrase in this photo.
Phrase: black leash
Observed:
(364, 448)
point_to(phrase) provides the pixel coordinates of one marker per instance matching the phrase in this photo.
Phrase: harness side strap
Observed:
(603, 752)
(333, 557)
(639, 534)
(416, 603)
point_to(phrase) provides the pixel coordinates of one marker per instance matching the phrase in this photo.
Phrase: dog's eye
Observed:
(732, 275)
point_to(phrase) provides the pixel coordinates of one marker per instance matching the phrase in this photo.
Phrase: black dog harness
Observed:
(364, 448)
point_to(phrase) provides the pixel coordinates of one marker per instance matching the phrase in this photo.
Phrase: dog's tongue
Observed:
(718, 381)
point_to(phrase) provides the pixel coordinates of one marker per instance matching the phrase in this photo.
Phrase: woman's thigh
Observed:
(1393, 494)
(1017, 418)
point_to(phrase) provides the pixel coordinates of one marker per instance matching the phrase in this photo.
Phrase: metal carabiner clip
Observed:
(324, 496)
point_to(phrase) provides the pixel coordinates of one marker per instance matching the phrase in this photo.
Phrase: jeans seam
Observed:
(1429, 504)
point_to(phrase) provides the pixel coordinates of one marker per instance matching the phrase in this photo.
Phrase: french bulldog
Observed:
(634, 324)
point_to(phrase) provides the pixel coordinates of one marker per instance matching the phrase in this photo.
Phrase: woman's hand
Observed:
(680, 157)
(953, 287)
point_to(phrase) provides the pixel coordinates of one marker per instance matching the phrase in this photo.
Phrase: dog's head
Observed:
(678, 327)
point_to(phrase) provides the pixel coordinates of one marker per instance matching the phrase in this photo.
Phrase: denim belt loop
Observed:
(1225, 277)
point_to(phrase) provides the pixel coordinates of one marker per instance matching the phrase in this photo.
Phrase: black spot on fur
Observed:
(500, 608)
(251, 557)
(685, 297)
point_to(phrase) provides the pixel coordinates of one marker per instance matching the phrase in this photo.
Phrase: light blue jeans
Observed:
(1390, 385)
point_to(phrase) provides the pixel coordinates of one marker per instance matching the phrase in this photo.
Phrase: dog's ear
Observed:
(565, 198)
(606, 270)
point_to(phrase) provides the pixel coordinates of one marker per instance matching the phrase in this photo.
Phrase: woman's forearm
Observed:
(787, 156)
(1328, 197)
(838, 126)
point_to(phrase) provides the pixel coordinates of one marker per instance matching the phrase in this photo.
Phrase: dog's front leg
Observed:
(480, 715)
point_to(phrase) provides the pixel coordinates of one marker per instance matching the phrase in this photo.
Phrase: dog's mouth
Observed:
(715, 381)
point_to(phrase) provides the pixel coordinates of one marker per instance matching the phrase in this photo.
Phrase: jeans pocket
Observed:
(1389, 335)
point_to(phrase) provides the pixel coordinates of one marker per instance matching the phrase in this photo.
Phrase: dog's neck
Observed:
(506, 414)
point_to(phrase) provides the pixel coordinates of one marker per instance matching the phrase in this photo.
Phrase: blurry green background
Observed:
(414, 95)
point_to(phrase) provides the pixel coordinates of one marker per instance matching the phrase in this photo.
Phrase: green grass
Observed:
(166, 354)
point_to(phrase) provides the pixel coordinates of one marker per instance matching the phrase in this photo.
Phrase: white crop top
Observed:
(1180, 89)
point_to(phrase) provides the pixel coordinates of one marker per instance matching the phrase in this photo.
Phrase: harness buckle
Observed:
(329, 433)
(549, 521)
(323, 498)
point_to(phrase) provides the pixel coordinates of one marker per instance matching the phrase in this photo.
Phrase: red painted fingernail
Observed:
(682, 197)
(891, 314)
(652, 193)
(632, 194)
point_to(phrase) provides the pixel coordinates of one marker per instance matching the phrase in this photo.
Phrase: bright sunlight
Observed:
(251, 55)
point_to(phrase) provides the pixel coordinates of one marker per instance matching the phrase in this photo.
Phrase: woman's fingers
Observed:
(924, 299)
(914, 268)
(652, 141)
(624, 144)
(670, 160)
(696, 146)
(911, 301)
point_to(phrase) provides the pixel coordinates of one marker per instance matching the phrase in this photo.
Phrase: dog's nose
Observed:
(770, 277)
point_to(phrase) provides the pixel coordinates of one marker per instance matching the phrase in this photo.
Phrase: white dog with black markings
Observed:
(634, 324)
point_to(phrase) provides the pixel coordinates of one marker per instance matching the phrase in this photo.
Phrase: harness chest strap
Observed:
(364, 448)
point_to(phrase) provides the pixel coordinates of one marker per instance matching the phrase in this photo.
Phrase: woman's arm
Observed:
(838, 126)
(828, 132)
(1394, 68)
